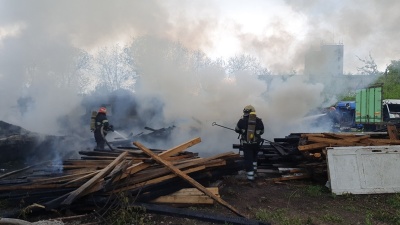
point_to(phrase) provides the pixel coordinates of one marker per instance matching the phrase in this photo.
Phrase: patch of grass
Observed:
(368, 219)
(387, 217)
(349, 196)
(124, 213)
(394, 201)
(351, 208)
(332, 218)
(314, 190)
(280, 216)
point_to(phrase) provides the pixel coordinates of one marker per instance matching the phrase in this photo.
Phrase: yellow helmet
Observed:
(248, 109)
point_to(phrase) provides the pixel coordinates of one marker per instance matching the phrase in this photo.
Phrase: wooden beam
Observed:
(156, 180)
(312, 146)
(29, 187)
(78, 192)
(182, 199)
(291, 177)
(195, 191)
(178, 172)
(21, 170)
(60, 178)
(349, 138)
(380, 142)
(331, 141)
(175, 150)
(79, 179)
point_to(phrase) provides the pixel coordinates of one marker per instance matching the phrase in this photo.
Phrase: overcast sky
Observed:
(276, 31)
(42, 35)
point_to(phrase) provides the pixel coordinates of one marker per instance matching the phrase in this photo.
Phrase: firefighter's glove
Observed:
(111, 128)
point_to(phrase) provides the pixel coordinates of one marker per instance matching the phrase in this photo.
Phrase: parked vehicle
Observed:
(369, 112)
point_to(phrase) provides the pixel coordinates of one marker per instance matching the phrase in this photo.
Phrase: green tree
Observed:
(391, 80)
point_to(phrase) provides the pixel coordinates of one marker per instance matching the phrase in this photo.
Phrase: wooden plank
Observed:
(21, 170)
(377, 142)
(313, 146)
(29, 187)
(88, 162)
(340, 135)
(215, 163)
(292, 177)
(175, 150)
(312, 135)
(331, 141)
(78, 171)
(179, 157)
(60, 179)
(187, 178)
(157, 180)
(79, 179)
(67, 167)
(349, 138)
(181, 199)
(195, 191)
(117, 172)
(137, 178)
(78, 192)
(392, 131)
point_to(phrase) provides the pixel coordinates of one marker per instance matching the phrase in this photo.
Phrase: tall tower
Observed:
(327, 61)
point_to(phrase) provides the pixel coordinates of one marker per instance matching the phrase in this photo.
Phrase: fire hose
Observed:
(275, 145)
(104, 137)
(216, 124)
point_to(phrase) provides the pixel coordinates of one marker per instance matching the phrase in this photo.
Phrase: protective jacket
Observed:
(242, 126)
(102, 121)
(102, 126)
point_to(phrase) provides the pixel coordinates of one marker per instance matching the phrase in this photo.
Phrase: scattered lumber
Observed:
(312, 143)
(141, 173)
(308, 151)
(188, 196)
(187, 178)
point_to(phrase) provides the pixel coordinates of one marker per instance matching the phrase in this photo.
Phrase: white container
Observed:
(364, 169)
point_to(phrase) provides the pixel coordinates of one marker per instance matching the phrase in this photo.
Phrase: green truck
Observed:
(372, 112)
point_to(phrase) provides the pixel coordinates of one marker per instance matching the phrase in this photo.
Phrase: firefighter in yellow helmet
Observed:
(250, 127)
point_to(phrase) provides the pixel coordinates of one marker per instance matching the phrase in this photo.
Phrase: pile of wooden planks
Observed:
(313, 145)
(150, 175)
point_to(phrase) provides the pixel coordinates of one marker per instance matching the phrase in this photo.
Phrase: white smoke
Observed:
(40, 40)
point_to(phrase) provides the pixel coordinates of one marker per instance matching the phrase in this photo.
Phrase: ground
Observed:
(300, 202)
(295, 202)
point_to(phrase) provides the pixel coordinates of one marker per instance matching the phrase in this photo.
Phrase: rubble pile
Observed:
(304, 155)
(146, 175)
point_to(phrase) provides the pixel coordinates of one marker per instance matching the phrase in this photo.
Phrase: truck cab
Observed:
(391, 110)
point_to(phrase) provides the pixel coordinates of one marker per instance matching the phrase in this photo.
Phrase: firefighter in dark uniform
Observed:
(101, 128)
(250, 127)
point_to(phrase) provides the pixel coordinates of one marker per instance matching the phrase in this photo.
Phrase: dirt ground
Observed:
(298, 202)
(295, 202)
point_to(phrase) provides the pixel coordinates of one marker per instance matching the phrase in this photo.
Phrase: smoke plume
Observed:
(40, 42)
